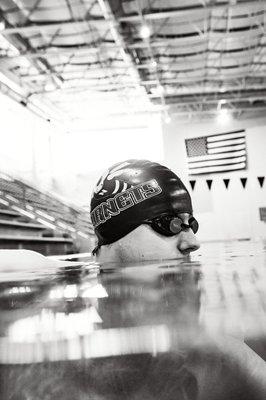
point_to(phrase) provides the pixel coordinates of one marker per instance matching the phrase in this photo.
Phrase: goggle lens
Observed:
(171, 225)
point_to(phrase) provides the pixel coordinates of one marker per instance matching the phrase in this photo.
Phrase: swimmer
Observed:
(141, 211)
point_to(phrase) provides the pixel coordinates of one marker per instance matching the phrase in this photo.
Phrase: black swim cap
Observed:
(131, 192)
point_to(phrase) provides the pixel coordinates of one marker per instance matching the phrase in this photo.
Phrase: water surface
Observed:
(173, 329)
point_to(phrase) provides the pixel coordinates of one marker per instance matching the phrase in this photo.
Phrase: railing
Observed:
(44, 207)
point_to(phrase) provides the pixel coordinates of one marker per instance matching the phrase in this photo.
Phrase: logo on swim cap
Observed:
(124, 200)
(109, 175)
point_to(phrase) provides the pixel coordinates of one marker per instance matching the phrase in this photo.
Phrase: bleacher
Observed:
(34, 219)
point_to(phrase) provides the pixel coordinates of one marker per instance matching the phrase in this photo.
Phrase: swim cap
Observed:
(131, 192)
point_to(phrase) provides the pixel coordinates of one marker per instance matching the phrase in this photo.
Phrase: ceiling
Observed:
(84, 62)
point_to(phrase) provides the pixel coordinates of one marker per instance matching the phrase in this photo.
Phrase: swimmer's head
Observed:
(140, 192)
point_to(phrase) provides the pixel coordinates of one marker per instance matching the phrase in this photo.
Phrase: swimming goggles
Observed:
(170, 225)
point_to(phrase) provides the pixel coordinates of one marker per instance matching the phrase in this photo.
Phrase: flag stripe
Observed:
(227, 161)
(227, 133)
(223, 162)
(221, 168)
(225, 137)
(226, 149)
(216, 156)
(225, 143)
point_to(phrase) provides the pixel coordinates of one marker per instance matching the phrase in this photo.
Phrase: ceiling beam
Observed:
(184, 91)
(55, 52)
(181, 81)
(113, 26)
(183, 43)
(180, 101)
(88, 49)
(189, 12)
(179, 13)
(233, 92)
(19, 42)
(205, 78)
(215, 111)
(199, 38)
(85, 71)
(51, 26)
(132, 85)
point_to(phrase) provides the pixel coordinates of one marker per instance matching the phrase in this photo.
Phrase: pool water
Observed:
(175, 329)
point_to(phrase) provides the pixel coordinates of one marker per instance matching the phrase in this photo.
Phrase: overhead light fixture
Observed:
(220, 103)
(145, 31)
(153, 64)
(224, 116)
(49, 86)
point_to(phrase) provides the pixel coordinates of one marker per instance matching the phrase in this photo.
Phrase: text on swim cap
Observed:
(123, 201)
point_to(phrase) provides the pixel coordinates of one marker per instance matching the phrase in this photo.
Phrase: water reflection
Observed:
(168, 330)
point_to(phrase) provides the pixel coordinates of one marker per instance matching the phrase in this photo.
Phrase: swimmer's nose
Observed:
(187, 242)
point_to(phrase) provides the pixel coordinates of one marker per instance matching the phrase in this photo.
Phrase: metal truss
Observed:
(187, 13)
(177, 14)
(217, 57)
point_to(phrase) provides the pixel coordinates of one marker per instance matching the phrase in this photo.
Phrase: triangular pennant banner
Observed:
(192, 184)
(261, 180)
(226, 182)
(244, 182)
(209, 183)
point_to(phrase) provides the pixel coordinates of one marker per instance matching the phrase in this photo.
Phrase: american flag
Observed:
(217, 153)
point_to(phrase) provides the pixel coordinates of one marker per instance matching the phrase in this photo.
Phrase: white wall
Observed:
(81, 157)
(25, 146)
(70, 162)
(223, 214)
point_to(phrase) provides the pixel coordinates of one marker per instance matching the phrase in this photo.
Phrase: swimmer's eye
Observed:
(169, 225)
